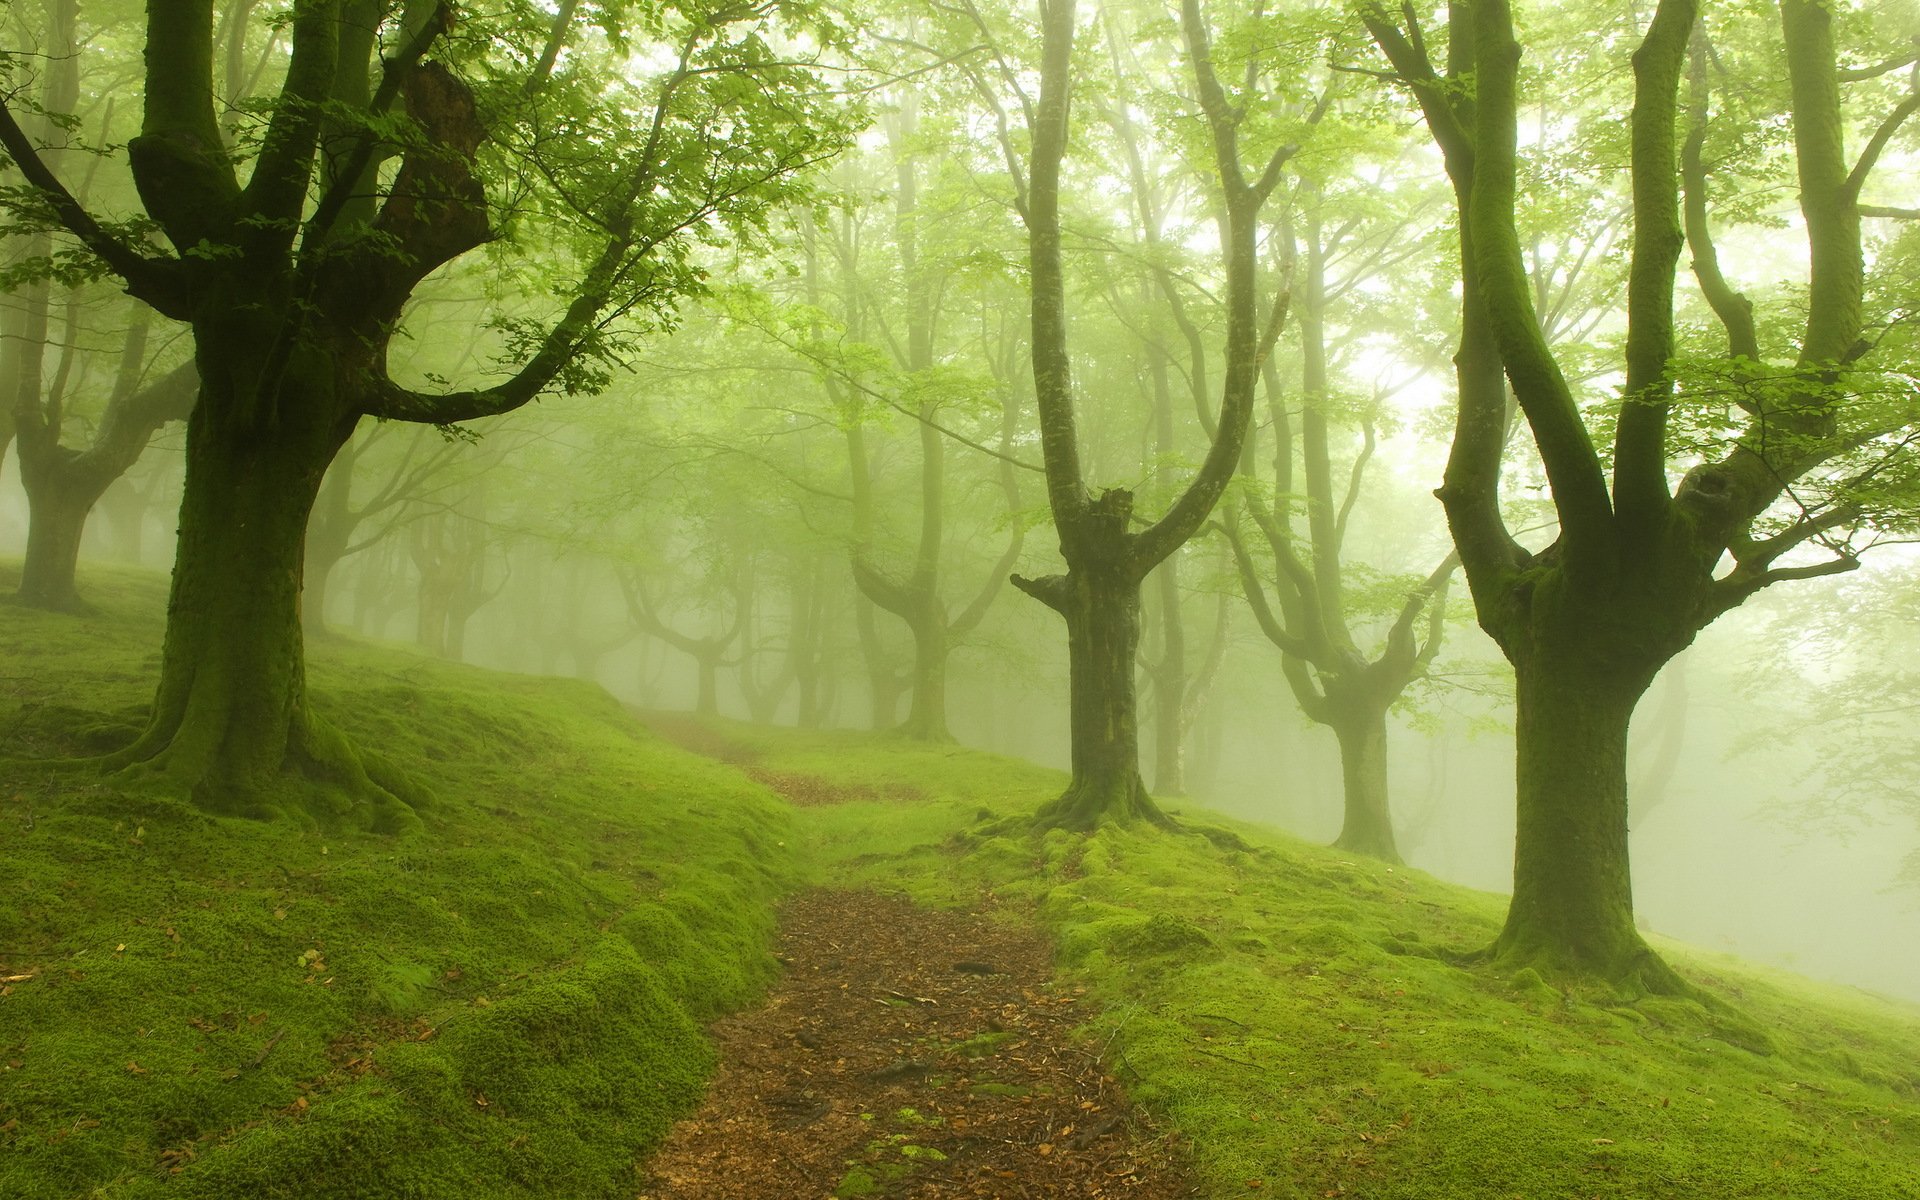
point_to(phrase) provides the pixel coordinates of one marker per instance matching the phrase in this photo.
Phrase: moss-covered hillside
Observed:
(508, 1005)
(1292, 1012)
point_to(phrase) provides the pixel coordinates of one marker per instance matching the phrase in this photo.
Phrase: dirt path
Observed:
(909, 1053)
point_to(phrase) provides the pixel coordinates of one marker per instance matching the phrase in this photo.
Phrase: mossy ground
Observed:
(508, 1003)
(1292, 1011)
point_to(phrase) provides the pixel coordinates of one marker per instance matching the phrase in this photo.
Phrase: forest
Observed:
(779, 599)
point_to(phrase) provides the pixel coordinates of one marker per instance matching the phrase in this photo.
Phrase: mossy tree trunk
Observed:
(1101, 607)
(1572, 907)
(1637, 568)
(231, 718)
(1359, 722)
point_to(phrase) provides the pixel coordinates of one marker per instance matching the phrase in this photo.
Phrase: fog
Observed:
(1742, 849)
(873, 389)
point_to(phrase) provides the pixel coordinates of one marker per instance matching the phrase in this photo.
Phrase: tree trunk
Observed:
(927, 716)
(1368, 827)
(708, 703)
(1102, 611)
(1572, 908)
(124, 506)
(56, 517)
(231, 724)
(1170, 687)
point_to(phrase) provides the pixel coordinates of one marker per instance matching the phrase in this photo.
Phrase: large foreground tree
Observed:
(1681, 518)
(397, 133)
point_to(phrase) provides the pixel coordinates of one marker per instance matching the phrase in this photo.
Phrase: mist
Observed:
(1422, 501)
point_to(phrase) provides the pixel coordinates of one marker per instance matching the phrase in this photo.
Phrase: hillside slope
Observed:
(1294, 1014)
(508, 1005)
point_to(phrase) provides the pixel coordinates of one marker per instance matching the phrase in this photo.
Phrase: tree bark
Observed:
(1102, 611)
(1361, 726)
(1572, 907)
(927, 706)
(56, 517)
(231, 723)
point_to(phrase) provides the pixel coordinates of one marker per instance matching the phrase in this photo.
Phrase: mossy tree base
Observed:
(231, 726)
(1572, 907)
(1088, 802)
(1101, 604)
(1367, 827)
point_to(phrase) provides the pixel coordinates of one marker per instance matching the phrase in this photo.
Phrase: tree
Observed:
(370, 173)
(404, 473)
(63, 484)
(929, 386)
(1312, 620)
(1635, 570)
(1106, 559)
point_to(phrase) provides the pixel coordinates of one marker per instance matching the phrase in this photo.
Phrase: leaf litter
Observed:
(911, 1052)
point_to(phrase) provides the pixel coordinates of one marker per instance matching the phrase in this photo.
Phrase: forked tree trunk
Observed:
(927, 713)
(231, 714)
(56, 519)
(1572, 908)
(1361, 726)
(1102, 611)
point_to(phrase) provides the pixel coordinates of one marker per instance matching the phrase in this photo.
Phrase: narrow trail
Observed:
(909, 1052)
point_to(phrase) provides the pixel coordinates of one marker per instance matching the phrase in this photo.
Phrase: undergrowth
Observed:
(508, 1004)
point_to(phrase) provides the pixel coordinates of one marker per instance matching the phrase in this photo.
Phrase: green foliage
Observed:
(506, 1005)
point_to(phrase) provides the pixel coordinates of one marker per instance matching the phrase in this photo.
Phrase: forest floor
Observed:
(905, 1052)
(910, 1052)
(530, 997)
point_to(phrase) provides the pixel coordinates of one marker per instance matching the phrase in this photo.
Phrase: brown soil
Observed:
(689, 732)
(808, 790)
(910, 1053)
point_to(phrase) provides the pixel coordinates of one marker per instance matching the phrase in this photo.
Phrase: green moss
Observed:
(1295, 1016)
(992, 1088)
(507, 1005)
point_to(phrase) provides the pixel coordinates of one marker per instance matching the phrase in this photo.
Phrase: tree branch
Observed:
(158, 281)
